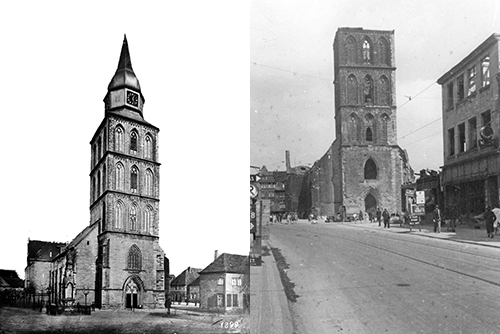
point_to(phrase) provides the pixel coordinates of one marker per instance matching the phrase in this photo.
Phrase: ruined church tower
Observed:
(367, 162)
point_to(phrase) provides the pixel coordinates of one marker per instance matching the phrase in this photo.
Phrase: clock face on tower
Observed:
(132, 98)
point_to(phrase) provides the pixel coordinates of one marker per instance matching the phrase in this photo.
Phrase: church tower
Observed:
(124, 197)
(368, 166)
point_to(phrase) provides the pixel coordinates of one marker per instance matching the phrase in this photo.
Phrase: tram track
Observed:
(456, 264)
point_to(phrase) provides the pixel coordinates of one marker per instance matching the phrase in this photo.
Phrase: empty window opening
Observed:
(461, 137)
(486, 118)
(370, 170)
(366, 51)
(472, 81)
(460, 87)
(485, 71)
(451, 142)
(369, 134)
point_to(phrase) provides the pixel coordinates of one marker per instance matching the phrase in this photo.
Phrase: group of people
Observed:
(381, 215)
(491, 218)
(289, 218)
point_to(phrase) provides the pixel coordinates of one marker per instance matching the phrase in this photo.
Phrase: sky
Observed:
(191, 58)
(291, 70)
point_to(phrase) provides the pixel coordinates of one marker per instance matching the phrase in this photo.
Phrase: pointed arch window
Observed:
(93, 189)
(98, 149)
(369, 134)
(350, 50)
(119, 215)
(370, 170)
(133, 142)
(385, 128)
(98, 184)
(104, 178)
(149, 182)
(148, 147)
(134, 258)
(383, 51)
(133, 179)
(119, 139)
(368, 90)
(370, 127)
(354, 128)
(352, 90)
(119, 176)
(367, 57)
(148, 219)
(133, 217)
(384, 91)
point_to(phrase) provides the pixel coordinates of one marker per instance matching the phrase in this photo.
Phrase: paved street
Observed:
(182, 320)
(365, 279)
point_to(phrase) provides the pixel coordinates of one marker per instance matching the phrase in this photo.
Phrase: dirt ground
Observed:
(19, 320)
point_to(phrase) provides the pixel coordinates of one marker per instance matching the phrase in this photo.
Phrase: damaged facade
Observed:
(470, 109)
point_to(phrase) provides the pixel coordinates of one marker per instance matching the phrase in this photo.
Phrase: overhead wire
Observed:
(410, 98)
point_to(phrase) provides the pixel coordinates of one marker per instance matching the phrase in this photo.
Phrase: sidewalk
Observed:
(269, 307)
(463, 234)
(269, 312)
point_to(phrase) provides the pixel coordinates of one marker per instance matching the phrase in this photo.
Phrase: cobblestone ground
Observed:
(19, 320)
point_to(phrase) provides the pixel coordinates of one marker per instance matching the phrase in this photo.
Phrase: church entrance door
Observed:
(370, 204)
(131, 295)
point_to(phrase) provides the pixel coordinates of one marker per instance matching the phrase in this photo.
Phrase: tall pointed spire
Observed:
(124, 76)
(125, 62)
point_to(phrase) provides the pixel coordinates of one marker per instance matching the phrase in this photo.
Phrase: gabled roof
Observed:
(187, 277)
(81, 236)
(196, 282)
(228, 263)
(43, 250)
(86, 231)
(9, 278)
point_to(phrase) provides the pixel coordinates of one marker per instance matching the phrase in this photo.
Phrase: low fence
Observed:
(41, 303)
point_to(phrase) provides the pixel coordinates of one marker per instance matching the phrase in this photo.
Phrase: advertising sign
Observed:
(420, 197)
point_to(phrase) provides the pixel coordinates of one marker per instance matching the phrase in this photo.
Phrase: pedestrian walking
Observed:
(496, 211)
(436, 218)
(169, 304)
(378, 214)
(452, 217)
(489, 218)
(386, 217)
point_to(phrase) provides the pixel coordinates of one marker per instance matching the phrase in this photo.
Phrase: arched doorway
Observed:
(131, 295)
(370, 204)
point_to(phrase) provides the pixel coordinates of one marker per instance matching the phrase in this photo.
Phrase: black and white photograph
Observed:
(374, 148)
(124, 167)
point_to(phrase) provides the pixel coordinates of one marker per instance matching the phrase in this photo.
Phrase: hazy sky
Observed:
(57, 59)
(291, 70)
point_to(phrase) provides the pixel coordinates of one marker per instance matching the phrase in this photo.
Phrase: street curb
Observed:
(427, 236)
(283, 301)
